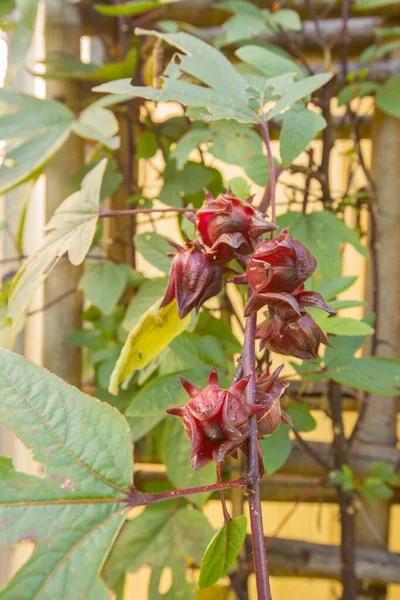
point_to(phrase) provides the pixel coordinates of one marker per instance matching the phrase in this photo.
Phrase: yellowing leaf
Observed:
(155, 330)
(71, 229)
(216, 592)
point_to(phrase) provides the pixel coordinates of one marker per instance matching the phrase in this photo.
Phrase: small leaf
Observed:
(301, 417)
(128, 8)
(155, 330)
(298, 90)
(240, 187)
(71, 229)
(276, 449)
(222, 551)
(104, 284)
(153, 247)
(77, 502)
(346, 326)
(300, 126)
(268, 62)
(388, 96)
(147, 145)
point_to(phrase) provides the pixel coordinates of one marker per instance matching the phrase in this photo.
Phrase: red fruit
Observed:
(269, 390)
(194, 278)
(280, 265)
(297, 336)
(215, 420)
(228, 224)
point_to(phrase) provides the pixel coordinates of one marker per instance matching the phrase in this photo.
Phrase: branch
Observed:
(137, 211)
(51, 303)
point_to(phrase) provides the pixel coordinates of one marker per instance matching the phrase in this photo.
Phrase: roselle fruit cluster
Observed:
(216, 421)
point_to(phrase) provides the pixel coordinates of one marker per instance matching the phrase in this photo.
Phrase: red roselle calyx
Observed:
(194, 278)
(228, 225)
(269, 389)
(215, 420)
(286, 332)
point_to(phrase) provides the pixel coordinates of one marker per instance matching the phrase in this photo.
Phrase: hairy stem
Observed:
(257, 530)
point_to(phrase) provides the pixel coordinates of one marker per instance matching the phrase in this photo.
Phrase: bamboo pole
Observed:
(379, 425)
(62, 37)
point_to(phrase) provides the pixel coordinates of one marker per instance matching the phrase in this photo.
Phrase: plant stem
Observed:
(257, 530)
(272, 178)
(345, 499)
(135, 498)
(137, 211)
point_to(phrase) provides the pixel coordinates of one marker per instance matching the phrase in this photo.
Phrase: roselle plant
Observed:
(176, 382)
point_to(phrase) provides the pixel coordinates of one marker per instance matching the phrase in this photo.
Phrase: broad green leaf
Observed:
(240, 7)
(71, 229)
(188, 184)
(242, 27)
(284, 19)
(323, 233)
(128, 8)
(222, 551)
(298, 90)
(198, 351)
(352, 374)
(175, 456)
(341, 304)
(6, 7)
(154, 332)
(276, 449)
(149, 406)
(163, 535)
(188, 142)
(257, 169)
(99, 124)
(240, 187)
(224, 99)
(234, 143)
(388, 96)
(77, 504)
(40, 128)
(268, 62)
(346, 326)
(208, 325)
(154, 247)
(299, 127)
(301, 417)
(104, 284)
(386, 369)
(330, 288)
(148, 293)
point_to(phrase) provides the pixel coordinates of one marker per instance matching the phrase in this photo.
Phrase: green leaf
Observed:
(323, 234)
(148, 293)
(175, 456)
(188, 142)
(330, 288)
(154, 332)
(234, 143)
(71, 229)
(371, 4)
(128, 8)
(188, 184)
(40, 127)
(147, 145)
(346, 326)
(298, 90)
(163, 535)
(224, 99)
(385, 369)
(242, 27)
(77, 503)
(358, 89)
(149, 406)
(240, 187)
(388, 96)
(276, 449)
(99, 124)
(208, 325)
(301, 417)
(104, 284)
(154, 247)
(351, 373)
(198, 351)
(268, 62)
(284, 19)
(222, 551)
(257, 169)
(300, 126)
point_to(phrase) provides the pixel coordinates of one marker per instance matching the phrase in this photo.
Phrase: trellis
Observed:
(300, 476)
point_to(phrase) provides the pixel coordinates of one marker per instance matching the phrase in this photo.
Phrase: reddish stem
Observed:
(137, 211)
(257, 530)
(135, 498)
(227, 516)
